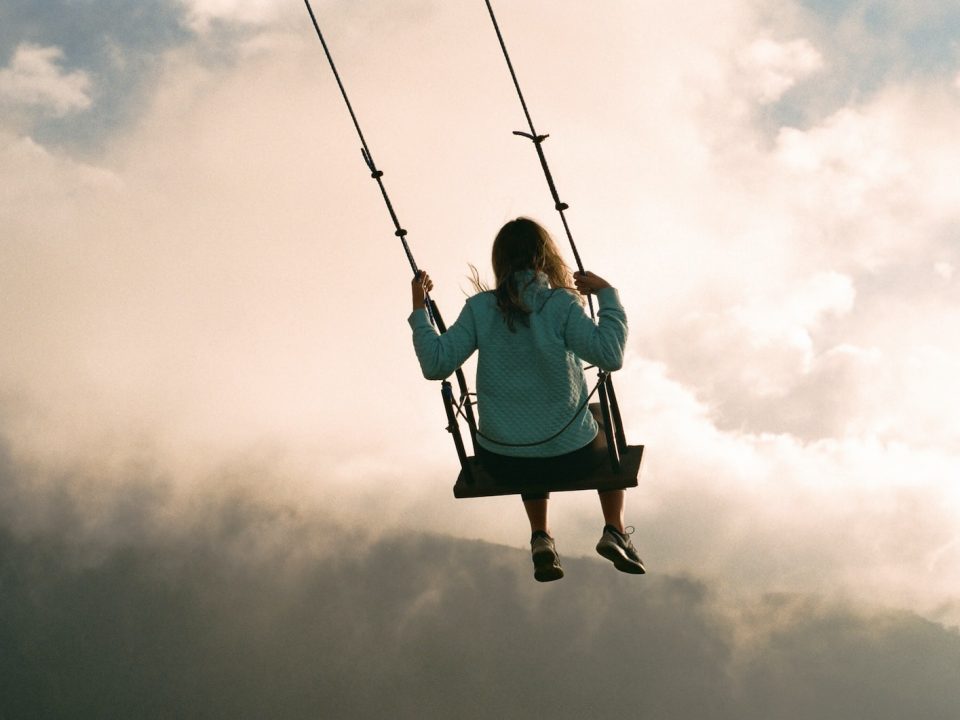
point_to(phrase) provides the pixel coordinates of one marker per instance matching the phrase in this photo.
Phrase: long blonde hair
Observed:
(522, 244)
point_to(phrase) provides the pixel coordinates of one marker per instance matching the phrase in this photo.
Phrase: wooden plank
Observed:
(603, 478)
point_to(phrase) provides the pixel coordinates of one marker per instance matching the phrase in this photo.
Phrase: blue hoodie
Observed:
(529, 382)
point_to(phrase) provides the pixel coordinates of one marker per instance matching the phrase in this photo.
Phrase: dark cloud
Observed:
(250, 609)
(827, 661)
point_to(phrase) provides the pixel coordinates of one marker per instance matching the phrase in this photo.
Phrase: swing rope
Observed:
(433, 311)
(375, 173)
(465, 403)
(608, 398)
(537, 141)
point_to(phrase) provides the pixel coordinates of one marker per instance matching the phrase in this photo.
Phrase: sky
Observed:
(219, 461)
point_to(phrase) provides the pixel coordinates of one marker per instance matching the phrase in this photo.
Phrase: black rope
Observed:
(433, 311)
(400, 232)
(375, 173)
(601, 376)
(537, 140)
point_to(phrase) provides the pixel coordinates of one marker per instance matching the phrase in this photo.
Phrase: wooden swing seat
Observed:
(474, 481)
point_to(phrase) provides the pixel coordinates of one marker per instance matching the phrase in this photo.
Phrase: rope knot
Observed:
(535, 139)
(368, 159)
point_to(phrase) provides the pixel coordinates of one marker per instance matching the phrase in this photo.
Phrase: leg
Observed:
(546, 562)
(611, 502)
(537, 513)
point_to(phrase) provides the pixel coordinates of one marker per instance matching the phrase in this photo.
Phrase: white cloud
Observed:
(202, 13)
(850, 156)
(944, 270)
(772, 68)
(865, 194)
(849, 514)
(789, 319)
(34, 78)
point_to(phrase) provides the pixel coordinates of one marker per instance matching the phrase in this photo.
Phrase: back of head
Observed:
(523, 244)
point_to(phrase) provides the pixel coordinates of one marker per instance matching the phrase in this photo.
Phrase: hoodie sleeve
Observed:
(440, 355)
(601, 344)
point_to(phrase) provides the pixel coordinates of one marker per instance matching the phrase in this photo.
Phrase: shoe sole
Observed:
(548, 574)
(546, 567)
(620, 561)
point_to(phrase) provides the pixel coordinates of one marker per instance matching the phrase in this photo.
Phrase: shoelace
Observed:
(625, 536)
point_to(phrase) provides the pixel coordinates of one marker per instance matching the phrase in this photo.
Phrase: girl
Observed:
(531, 333)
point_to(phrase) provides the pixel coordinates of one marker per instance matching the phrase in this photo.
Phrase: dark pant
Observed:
(535, 472)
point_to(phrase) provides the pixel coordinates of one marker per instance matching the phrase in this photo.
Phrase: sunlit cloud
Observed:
(790, 319)
(202, 14)
(852, 155)
(35, 78)
(772, 67)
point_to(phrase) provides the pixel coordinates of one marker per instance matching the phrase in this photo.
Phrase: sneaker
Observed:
(617, 548)
(546, 562)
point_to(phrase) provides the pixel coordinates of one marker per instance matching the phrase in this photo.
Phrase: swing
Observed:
(475, 481)
(616, 464)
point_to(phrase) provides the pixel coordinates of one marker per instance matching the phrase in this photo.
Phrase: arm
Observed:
(439, 355)
(601, 344)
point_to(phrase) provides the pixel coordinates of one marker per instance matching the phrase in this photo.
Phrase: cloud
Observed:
(945, 270)
(858, 206)
(34, 79)
(202, 13)
(252, 609)
(772, 67)
(788, 321)
(855, 155)
(204, 17)
(771, 511)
